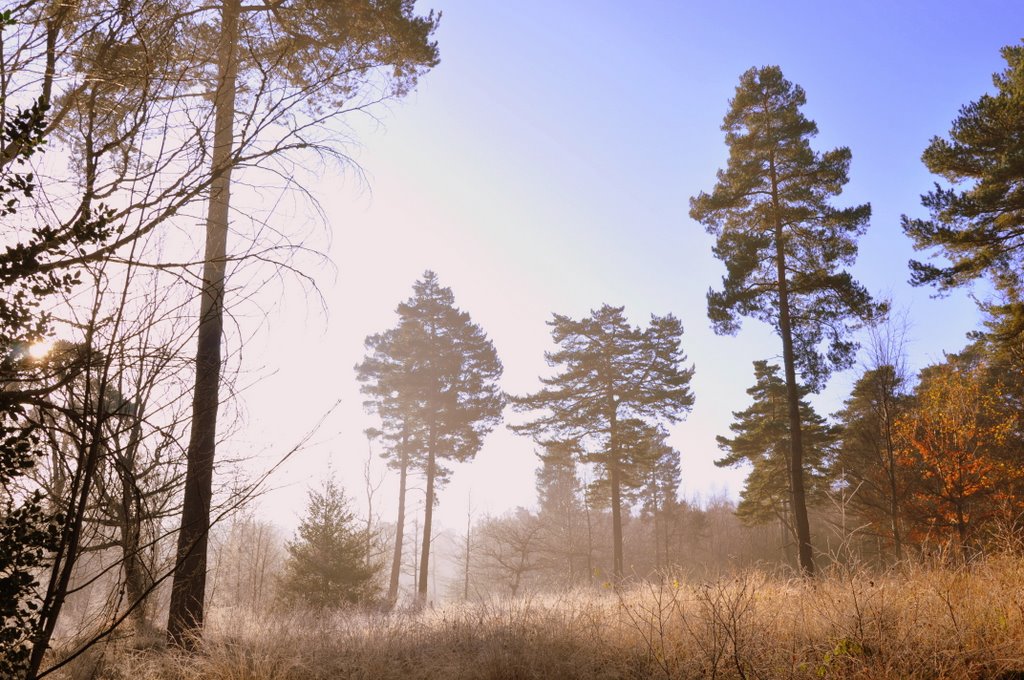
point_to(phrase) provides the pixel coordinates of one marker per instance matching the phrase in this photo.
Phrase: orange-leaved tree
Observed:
(953, 438)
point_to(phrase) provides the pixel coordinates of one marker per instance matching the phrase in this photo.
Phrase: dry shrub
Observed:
(914, 623)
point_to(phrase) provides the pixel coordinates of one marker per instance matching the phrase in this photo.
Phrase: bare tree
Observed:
(510, 548)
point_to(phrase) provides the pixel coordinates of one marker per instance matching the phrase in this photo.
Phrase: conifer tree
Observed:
(388, 372)
(318, 53)
(435, 378)
(327, 563)
(616, 382)
(761, 439)
(783, 245)
(561, 508)
(976, 222)
(867, 456)
(660, 491)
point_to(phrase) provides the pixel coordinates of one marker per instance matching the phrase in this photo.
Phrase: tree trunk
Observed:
(613, 464)
(396, 560)
(890, 454)
(66, 554)
(428, 516)
(469, 528)
(185, 619)
(590, 537)
(796, 466)
(136, 578)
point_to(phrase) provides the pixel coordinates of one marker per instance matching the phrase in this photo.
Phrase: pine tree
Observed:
(978, 227)
(434, 378)
(311, 52)
(388, 372)
(561, 509)
(616, 381)
(783, 245)
(660, 491)
(867, 455)
(327, 564)
(761, 439)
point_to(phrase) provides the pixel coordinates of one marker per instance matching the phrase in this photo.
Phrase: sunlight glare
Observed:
(39, 350)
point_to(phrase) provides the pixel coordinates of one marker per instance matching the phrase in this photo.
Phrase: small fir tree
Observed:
(327, 564)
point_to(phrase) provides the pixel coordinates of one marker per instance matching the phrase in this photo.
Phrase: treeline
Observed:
(909, 465)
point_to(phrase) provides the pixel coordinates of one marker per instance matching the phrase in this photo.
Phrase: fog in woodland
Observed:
(382, 338)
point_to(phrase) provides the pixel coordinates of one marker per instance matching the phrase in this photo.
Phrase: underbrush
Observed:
(915, 623)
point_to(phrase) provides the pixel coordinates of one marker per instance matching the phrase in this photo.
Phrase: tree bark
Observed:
(185, 619)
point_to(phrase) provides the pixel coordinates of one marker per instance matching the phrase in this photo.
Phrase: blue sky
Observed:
(546, 166)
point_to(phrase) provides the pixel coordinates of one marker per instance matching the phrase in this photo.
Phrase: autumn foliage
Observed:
(954, 439)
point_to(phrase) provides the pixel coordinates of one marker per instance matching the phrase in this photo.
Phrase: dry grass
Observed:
(922, 623)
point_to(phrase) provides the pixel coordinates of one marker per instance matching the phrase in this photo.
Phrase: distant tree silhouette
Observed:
(561, 511)
(434, 381)
(388, 375)
(659, 493)
(616, 381)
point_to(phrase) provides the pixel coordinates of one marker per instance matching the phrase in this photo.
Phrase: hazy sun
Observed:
(38, 350)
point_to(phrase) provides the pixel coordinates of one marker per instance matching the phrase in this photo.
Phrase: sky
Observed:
(546, 165)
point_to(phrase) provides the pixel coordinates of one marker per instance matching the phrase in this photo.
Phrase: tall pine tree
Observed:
(783, 246)
(868, 457)
(309, 55)
(615, 380)
(388, 373)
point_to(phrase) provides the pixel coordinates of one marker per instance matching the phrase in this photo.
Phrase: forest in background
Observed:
(120, 524)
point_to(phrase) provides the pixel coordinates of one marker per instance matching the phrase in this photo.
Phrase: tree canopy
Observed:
(976, 221)
(433, 379)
